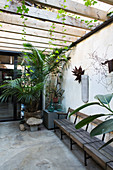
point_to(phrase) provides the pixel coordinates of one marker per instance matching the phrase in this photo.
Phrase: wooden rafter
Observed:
(36, 24)
(20, 43)
(48, 16)
(107, 1)
(75, 7)
(36, 33)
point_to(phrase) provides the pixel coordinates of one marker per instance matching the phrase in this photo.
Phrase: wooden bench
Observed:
(81, 137)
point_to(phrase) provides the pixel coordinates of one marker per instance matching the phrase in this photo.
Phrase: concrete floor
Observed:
(40, 150)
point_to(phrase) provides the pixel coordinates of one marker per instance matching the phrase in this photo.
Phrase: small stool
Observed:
(34, 123)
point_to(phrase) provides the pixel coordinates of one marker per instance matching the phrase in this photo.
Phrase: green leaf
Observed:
(88, 120)
(104, 127)
(104, 98)
(84, 106)
(107, 143)
(58, 16)
(6, 6)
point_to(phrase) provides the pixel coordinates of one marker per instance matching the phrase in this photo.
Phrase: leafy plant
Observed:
(37, 67)
(104, 127)
(57, 92)
(24, 91)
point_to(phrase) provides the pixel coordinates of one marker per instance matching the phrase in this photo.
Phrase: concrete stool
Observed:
(34, 123)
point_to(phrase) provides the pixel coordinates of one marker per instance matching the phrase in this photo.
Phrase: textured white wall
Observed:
(100, 44)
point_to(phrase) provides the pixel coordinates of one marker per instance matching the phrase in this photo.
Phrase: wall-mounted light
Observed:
(110, 65)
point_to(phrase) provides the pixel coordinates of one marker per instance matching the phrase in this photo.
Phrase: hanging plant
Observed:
(78, 72)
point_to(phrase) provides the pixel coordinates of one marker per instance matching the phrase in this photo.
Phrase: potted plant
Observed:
(37, 66)
(57, 94)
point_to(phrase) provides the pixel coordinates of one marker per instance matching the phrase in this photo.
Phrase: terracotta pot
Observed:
(55, 100)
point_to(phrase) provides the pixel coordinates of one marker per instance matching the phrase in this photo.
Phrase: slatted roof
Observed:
(40, 21)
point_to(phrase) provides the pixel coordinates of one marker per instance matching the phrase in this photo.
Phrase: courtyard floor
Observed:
(40, 150)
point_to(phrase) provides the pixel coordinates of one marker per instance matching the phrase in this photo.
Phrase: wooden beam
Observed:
(75, 7)
(31, 39)
(19, 47)
(48, 16)
(17, 42)
(34, 23)
(107, 1)
(11, 36)
(36, 32)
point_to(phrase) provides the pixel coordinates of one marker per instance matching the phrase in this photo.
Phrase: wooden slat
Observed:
(28, 37)
(11, 49)
(34, 23)
(17, 42)
(107, 1)
(38, 40)
(98, 157)
(36, 32)
(48, 16)
(12, 37)
(18, 47)
(110, 166)
(75, 7)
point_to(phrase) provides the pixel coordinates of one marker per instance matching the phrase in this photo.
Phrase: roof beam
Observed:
(36, 24)
(48, 16)
(107, 1)
(18, 47)
(20, 43)
(29, 38)
(75, 7)
(36, 33)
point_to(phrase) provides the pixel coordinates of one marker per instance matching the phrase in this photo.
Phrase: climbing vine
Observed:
(90, 2)
(23, 10)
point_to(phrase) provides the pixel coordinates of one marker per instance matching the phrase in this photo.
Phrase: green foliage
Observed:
(105, 99)
(23, 10)
(104, 127)
(90, 2)
(88, 120)
(84, 106)
(37, 66)
(110, 13)
(24, 91)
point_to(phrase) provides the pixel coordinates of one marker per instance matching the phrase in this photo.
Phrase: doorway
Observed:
(9, 110)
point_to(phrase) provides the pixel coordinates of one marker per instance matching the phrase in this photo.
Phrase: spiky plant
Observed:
(78, 72)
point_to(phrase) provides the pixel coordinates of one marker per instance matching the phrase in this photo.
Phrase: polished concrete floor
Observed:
(40, 150)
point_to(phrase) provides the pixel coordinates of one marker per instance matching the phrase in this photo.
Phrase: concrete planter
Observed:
(48, 118)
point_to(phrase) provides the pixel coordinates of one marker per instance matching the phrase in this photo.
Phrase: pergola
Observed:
(39, 24)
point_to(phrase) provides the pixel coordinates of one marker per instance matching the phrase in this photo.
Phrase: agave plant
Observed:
(104, 127)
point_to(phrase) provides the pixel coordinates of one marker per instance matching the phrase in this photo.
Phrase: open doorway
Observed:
(9, 110)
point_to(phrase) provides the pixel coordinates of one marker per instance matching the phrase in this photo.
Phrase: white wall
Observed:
(99, 44)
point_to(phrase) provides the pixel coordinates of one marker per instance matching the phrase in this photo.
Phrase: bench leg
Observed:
(70, 144)
(61, 134)
(85, 158)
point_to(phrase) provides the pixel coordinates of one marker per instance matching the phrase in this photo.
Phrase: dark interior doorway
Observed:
(9, 110)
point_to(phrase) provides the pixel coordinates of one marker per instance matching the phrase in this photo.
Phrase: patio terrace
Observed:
(40, 150)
